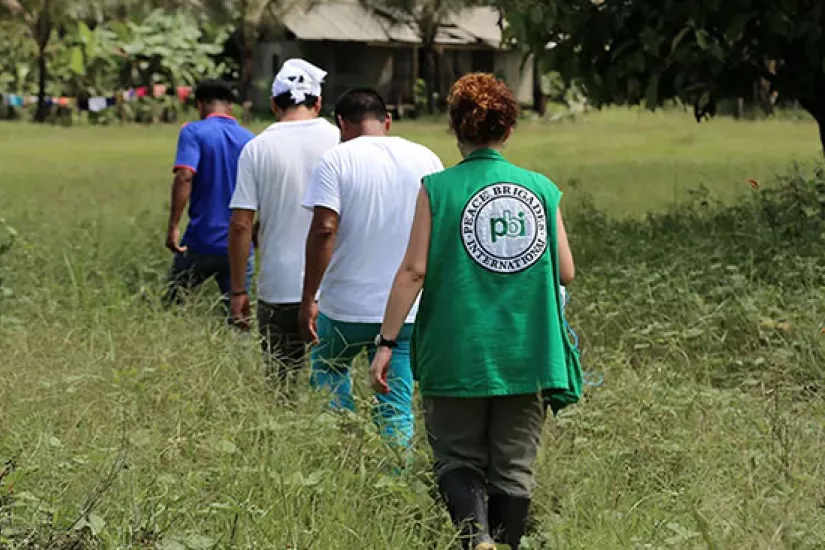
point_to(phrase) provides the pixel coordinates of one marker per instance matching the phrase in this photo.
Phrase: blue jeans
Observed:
(191, 269)
(340, 343)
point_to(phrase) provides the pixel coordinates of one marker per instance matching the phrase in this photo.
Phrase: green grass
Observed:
(129, 426)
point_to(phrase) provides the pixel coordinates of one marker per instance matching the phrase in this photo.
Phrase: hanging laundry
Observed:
(83, 104)
(15, 100)
(97, 104)
(63, 101)
(31, 100)
(111, 101)
(158, 90)
(184, 92)
(142, 91)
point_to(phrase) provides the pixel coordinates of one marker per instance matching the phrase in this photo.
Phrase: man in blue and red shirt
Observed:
(206, 167)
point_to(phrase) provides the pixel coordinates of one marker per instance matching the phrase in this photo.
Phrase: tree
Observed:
(250, 17)
(42, 19)
(696, 51)
(169, 49)
(426, 17)
(17, 57)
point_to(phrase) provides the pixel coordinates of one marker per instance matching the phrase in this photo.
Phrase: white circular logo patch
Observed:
(504, 228)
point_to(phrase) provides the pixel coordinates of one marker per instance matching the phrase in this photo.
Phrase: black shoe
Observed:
(508, 519)
(463, 491)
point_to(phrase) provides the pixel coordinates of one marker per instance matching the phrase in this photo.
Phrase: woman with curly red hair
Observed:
(489, 248)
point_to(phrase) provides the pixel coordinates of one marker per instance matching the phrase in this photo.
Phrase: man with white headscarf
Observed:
(273, 172)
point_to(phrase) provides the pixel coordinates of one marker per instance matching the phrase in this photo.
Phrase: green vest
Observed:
(490, 320)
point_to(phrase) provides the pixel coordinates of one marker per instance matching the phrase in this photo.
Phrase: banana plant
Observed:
(17, 56)
(171, 49)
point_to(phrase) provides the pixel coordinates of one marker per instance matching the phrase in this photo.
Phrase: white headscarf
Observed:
(299, 78)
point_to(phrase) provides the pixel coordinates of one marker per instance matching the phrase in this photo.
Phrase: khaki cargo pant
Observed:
(496, 436)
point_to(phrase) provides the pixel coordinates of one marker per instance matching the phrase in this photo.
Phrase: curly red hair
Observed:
(482, 109)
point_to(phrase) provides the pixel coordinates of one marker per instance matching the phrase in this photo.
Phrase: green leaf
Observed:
(737, 26)
(199, 542)
(678, 39)
(227, 447)
(170, 544)
(76, 63)
(93, 522)
(96, 524)
(84, 33)
(133, 48)
(702, 38)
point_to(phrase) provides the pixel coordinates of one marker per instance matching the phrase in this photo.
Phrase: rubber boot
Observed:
(508, 519)
(463, 492)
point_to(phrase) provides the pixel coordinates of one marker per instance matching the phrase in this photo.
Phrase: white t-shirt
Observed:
(372, 182)
(273, 173)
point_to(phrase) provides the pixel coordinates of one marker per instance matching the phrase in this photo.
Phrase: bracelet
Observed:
(238, 293)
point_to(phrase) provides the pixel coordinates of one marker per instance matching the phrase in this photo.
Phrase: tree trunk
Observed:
(42, 30)
(816, 106)
(539, 99)
(438, 60)
(247, 40)
(821, 123)
(247, 73)
(430, 76)
(40, 115)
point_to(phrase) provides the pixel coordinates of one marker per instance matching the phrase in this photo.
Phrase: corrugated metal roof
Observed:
(481, 23)
(349, 21)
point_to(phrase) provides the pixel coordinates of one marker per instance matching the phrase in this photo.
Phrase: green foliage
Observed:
(420, 95)
(7, 237)
(16, 54)
(85, 61)
(82, 60)
(170, 49)
(697, 51)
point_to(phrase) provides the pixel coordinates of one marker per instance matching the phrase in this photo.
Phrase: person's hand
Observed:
(307, 316)
(173, 240)
(378, 370)
(239, 310)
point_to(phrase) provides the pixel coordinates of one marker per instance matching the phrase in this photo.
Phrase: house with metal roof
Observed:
(362, 47)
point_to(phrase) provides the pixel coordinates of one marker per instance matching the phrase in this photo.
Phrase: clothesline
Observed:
(96, 104)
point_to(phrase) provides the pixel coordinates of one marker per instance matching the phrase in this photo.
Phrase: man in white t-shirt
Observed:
(273, 173)
(363, 196)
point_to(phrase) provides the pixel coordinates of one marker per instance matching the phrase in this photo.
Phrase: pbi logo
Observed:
(504, 228)
(508, 226)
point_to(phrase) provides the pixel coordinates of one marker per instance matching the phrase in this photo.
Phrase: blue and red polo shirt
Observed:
(210, 148)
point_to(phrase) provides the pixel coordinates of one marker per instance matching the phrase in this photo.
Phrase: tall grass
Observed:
(123, 425)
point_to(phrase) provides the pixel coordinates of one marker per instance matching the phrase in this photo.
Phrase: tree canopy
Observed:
(697, 51)
(88, 48)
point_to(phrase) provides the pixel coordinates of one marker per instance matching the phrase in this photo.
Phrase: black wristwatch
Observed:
(381, 342)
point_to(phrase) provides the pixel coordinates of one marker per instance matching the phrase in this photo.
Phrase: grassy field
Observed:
(122, 425)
